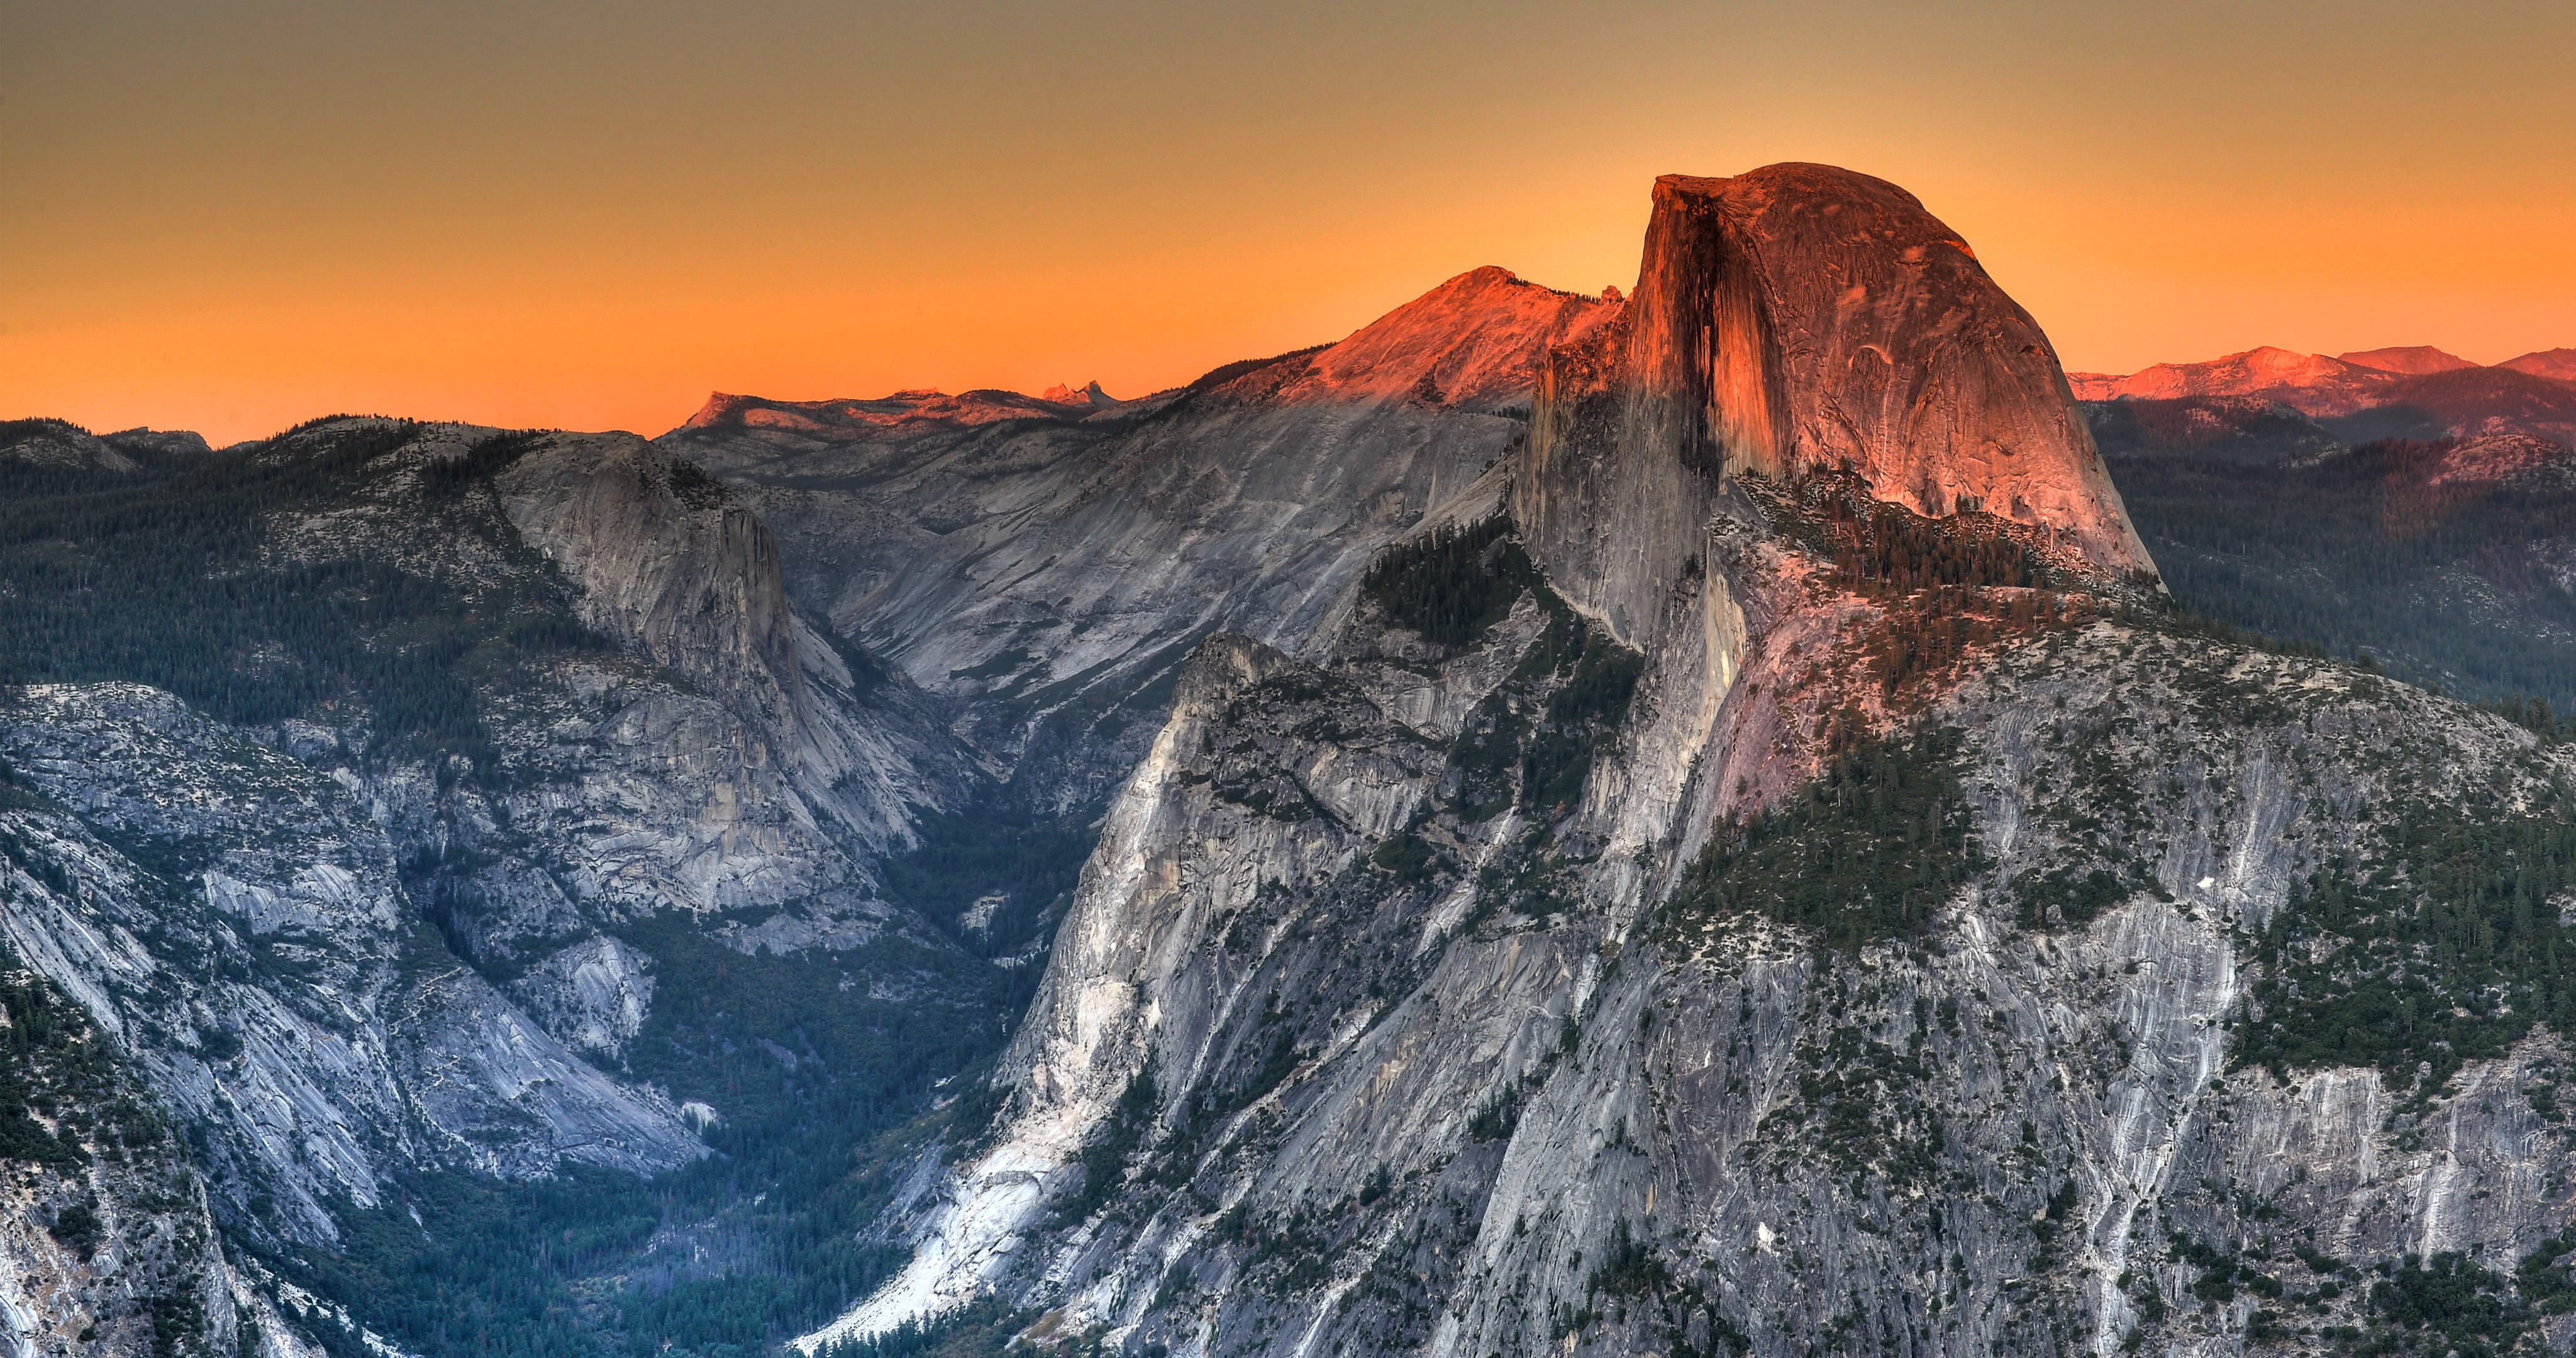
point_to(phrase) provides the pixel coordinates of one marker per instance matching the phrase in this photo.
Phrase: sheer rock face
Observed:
(680, 572)
(1794, 319)
(667, 563)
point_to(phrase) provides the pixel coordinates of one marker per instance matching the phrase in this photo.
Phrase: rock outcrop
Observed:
(1793, 320)
(59, 446)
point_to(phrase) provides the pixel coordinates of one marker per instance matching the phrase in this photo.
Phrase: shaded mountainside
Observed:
(2401, 504)
(2553, 363)
(1050, 563)
(2242, 429)
(2450, 561)
(435, 818)
(2468, 403)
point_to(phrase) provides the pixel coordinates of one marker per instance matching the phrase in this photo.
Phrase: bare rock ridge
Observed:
(2327, 386)
(1793, 319)
(850, 420)
(1472, 343)
(2317, 384)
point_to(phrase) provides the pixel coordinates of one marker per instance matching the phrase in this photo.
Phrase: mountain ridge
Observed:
(1800, 923)
(2410, 392)
(1679, 824)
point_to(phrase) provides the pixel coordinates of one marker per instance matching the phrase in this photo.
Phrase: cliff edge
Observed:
(1790, 320)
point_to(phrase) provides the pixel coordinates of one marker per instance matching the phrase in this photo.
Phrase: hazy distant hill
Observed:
(2417, 392)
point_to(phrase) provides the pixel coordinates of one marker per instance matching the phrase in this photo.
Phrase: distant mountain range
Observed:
(2405, 503)
(2414, 392)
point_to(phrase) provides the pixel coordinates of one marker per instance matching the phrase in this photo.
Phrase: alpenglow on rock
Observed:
(1794, 319)
(1349, 920)
(1889, 941)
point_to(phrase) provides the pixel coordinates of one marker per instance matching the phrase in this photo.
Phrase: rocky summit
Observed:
(1679, 824)
(1799, 320)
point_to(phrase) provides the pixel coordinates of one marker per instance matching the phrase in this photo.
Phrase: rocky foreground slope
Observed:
(1917, 944)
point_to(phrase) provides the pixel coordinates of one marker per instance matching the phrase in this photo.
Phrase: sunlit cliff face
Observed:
(1796, 319)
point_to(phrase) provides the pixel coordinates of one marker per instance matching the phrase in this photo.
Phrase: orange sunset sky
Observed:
(232, 216)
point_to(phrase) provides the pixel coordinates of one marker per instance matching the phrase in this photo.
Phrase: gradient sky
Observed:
(231, 216)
